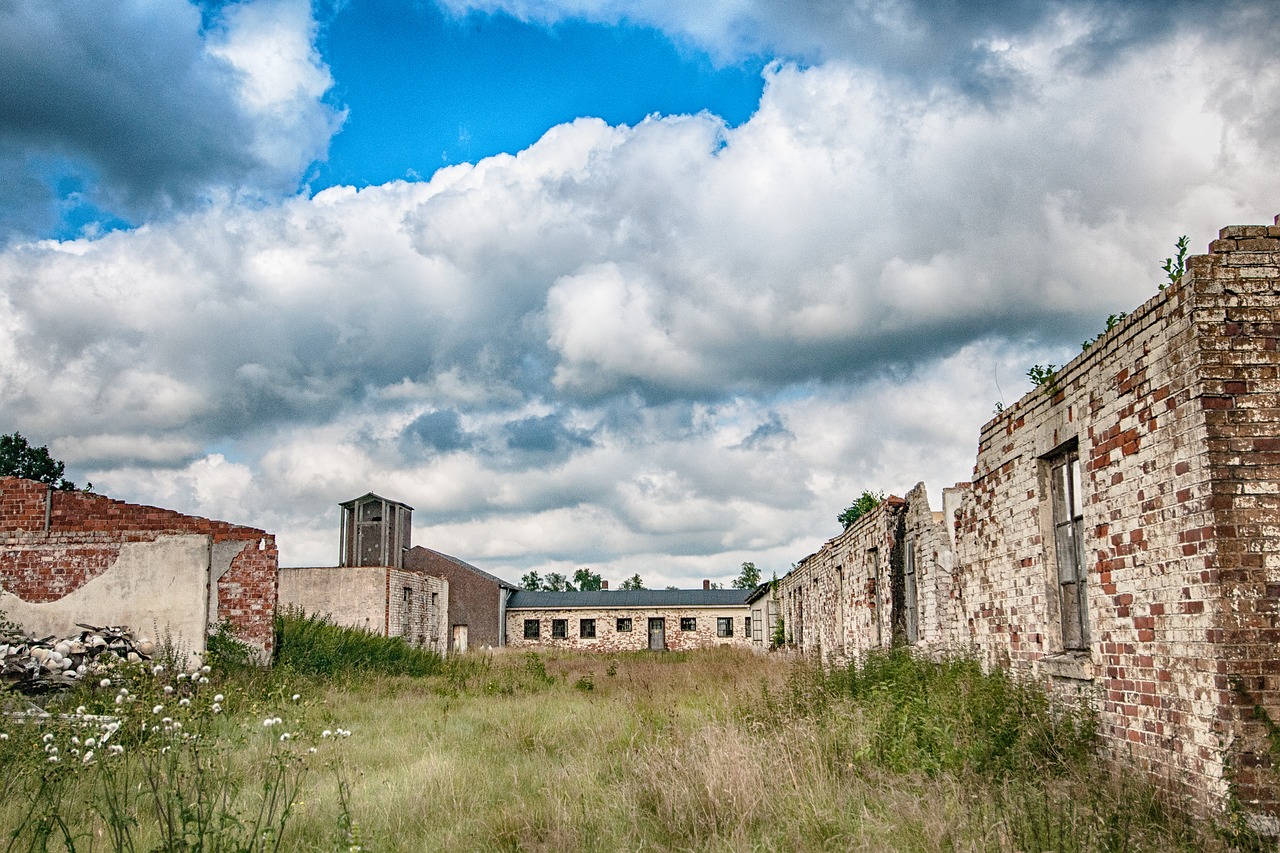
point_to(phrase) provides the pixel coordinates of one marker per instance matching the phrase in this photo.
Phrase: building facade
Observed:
(477, 599)
(629, 620)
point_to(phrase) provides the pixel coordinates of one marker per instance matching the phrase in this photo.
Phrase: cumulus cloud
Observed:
(149, 110)
(661, 349)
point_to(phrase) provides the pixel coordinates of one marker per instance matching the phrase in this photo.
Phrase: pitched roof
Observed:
(464, 564)
(629, 598)
(354, 501)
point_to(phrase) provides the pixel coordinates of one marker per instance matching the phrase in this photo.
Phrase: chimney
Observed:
(706, 584)
(604, 584)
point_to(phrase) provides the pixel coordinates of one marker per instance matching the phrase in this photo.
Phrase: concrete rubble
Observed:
(34, 666)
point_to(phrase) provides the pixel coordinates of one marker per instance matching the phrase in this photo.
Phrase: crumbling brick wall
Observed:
(1173, 418)
(53, 542)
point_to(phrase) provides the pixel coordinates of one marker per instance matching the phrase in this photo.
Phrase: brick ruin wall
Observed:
(417, 608)
(608, 639)
(83, 539)
(1173, 414)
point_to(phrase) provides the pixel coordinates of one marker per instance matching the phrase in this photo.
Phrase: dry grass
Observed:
(714, 751)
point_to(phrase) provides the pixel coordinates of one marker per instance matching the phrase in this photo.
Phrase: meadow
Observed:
(360, 744)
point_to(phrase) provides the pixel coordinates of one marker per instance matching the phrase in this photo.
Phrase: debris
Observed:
(36, 666)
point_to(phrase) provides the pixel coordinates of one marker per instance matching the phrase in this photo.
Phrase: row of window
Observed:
(623, 625)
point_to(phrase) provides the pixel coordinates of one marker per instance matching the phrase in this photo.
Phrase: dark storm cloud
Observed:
(441, 431)
(547, 434)
(131, 95)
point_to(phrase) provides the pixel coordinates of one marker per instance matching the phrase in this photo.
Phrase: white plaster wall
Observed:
(355, 596)
(158, 589)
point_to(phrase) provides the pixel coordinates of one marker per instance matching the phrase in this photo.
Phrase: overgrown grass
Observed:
(314, 645)
(718, 751)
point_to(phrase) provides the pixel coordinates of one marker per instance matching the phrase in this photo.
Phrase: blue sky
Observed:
(644, 285)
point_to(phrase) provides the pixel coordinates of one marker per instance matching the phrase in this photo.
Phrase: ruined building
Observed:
(1119, 541)
(69, 557)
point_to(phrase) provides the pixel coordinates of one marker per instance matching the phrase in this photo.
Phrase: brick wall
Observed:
(418, 609)
(1173, 416)
(609, 639)
(475, 597)
(84, 535)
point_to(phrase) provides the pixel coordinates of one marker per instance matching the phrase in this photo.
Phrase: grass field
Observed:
(718, 750)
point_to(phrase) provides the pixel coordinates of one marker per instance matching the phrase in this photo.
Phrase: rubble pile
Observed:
(34, 666)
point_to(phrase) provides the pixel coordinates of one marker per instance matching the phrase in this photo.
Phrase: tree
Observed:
(866, 502)
(556, 582)
(587, 580)
(531, 581)
(19, 459)
(633, 582)
(748, 578)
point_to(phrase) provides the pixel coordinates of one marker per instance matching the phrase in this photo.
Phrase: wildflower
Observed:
(312, 750)
(184, 702)
(157, 669)
(284, 737)
(217, 709)
(206, 669)
(297, 696)
(326, 733)
(53, 759)
(75, 740)
(106, 682)
(204, 680)
(88, 756)
(218, 697)
(168, 689)
(270, 721)
(119, 699)
(4, 735)
(177, 725)
(90, 742)
(123, 691)
(47, 738)
(51, 749)
(112, 726)
(166, 721)
(182, 676)
(116, 749)
(80, 709)
(157, 709)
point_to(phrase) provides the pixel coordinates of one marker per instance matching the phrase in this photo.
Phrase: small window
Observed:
(408, 594)
(559, 629)
(532, 629)
(624, 625)
(587, 628)
(724, 626)
(1068, 532)
(746, 626)
(688, 623)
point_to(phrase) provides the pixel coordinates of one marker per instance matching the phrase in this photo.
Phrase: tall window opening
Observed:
(1068, 538)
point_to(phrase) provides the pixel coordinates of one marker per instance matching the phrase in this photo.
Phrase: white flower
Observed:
(157, 669)
(4, 735)
(167, 690)
(204, 680)
(157, 709)
(88, 756)
(166, 721)
(206, 669)
(112, 726)
(312, 750)
(80, 709)
(326, 733)
(123, 691)
(184, 702)
(106, 682)
(284, 737)
(47, 738)
(90, 742)
(53, 759)
(216, 708)
(182, 676)
(75, 740)
(268, 722)
(297, 696)
(116, 749)
(177, 725)
(119, 700)
(218, 697)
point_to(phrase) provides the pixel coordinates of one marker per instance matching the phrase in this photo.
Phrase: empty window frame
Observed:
(623, 624)
(724, 626)
(532, 629)
(746, 627)
(910, 611)
(408, 594)
(1068, 538)
(587, 629)
(559, 629)
(688, 623)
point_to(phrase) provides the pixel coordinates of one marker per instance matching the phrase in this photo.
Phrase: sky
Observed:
(647, 287)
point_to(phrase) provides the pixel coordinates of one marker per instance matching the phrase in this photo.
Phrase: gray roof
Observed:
(759, 592)
(499, 581)
(629, 598)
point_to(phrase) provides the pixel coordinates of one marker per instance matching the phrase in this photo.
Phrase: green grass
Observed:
(313, 645)
(717, 751)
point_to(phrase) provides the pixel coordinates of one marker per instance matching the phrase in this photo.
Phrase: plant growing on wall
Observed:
(866, 502)
(779, 638)
(1177, 265)
(1112, 321)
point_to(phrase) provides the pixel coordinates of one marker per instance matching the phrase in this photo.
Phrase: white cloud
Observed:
(665, 348)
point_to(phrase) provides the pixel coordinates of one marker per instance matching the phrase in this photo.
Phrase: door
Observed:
(459, 638)
(657, 635)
